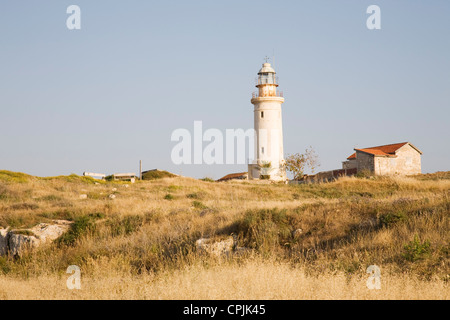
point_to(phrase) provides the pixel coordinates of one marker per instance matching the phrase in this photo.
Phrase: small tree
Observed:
(298, 163)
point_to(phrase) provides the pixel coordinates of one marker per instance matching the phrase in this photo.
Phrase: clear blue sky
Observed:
(103, 97)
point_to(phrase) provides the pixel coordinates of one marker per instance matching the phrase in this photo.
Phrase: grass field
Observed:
(141, 245)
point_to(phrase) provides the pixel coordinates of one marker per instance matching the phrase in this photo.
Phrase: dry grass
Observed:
(141, 244)
(254, 279)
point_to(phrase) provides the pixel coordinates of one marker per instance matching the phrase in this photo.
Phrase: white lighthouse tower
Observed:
(269, 160)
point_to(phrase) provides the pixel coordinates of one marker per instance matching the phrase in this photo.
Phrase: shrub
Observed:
(125, 226)
(196, 195)
(417, 250)
(208, 179)
(265, 229)
(169, 197)
(173, 188)
(81, 226)
(199, 205)
(10, 176)
(59, 215)
(390, 219)
(157, 174)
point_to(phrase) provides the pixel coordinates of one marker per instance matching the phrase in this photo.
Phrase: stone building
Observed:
(392, 159)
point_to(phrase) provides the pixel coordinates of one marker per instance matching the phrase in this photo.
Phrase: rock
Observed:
(18, 242)
(114, 189)
(215, 248)
(112, 196)
(4, 241)
(83, 196)
(50, 232)
(297, 233)
(126, 186)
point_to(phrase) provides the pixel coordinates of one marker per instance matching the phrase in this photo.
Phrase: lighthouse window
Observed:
(262, 114)
(262, 150)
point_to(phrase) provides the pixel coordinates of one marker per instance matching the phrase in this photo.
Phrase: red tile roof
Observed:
(386, 150)
(375, 152)
(233, 176)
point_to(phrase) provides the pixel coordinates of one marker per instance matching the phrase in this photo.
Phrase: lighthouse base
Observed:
(256, 172)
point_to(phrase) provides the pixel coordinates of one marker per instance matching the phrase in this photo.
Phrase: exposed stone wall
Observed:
(364, 161)
(349, 164)
(408, 161)
(385, 166)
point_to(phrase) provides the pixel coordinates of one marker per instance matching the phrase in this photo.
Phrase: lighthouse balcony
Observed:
(267, 94)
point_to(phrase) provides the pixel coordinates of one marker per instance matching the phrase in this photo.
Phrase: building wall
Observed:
(364, 161)
(408, 161)
(349, 164)
(385, 166)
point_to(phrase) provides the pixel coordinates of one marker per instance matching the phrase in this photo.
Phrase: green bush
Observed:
(196, 195)
(390, 219)
(169, 197)
(417, 250)
(265, 229)
(157, 174)
(173, 188)
(199, 205)
(81, 226)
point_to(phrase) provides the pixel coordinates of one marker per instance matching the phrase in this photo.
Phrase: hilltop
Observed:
(297, 238)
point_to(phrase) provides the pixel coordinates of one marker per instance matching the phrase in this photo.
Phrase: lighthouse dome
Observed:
(266, 68)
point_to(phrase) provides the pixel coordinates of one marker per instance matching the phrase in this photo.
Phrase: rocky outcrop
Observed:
(20, 242)
(215, 248)
(16, 242)
(4, 236)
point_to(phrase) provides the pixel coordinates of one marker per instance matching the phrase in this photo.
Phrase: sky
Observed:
(101, 98)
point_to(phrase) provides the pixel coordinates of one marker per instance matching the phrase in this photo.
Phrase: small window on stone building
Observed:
(262, 114)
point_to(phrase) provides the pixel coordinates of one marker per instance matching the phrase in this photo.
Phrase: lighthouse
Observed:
(269, 160)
